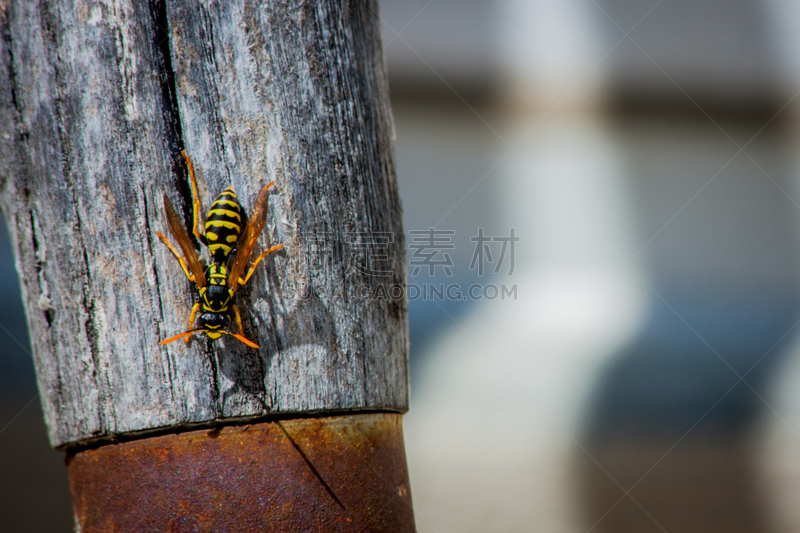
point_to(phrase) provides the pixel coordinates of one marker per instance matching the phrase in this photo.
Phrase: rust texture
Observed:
(342, 473)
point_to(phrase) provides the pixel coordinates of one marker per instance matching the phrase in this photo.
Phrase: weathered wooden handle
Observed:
(96, 102)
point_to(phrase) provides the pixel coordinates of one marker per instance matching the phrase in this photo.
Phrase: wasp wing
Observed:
(181, 235)
(247, 241)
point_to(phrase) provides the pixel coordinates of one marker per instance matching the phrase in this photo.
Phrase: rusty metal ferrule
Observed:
(339, 473)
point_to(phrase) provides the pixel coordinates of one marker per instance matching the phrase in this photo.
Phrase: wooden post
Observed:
(97, 99)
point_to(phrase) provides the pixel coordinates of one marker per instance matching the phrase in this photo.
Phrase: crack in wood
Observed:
(169, 103)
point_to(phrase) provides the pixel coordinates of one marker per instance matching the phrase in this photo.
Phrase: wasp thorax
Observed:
(217, 297)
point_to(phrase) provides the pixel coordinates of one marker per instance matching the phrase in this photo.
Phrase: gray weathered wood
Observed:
(97, 100)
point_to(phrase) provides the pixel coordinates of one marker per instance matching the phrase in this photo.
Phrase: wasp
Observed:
(230, 246)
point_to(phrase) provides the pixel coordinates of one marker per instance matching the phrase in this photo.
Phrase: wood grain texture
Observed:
(96, 101)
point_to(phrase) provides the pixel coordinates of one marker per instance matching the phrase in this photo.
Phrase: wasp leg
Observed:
(238, 319)
(192, 316)
(243, 339)
(178, 256)
(252, 268)
(196, 199)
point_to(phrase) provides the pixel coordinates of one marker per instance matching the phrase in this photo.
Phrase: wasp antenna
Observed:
(179, 336)
(243, 339)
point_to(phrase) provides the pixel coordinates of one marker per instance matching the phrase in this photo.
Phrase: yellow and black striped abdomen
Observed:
(223, 225)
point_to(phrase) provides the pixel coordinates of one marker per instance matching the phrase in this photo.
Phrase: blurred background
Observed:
(602, 214)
